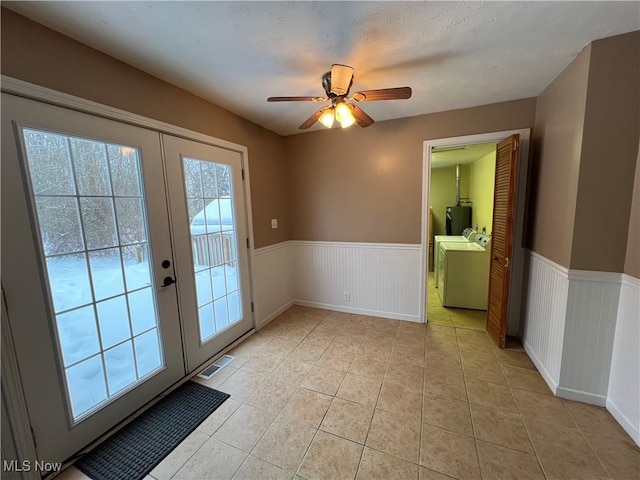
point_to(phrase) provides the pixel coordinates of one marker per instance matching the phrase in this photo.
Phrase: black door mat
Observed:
(134, 451)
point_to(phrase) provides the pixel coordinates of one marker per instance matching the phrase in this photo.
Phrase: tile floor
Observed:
(326, 395)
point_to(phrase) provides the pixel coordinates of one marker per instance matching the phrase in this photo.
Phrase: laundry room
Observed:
(460, 224)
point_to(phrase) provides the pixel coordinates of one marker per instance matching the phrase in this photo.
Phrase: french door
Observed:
(210, 236)
(94, 284)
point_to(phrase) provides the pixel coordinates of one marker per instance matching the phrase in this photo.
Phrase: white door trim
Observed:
(13, 401)
(518, 251)
(47, 95)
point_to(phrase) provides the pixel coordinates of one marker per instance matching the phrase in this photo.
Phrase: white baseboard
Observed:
(580, 396)
(381, 279)
(540, 366)
(623, 420)
(623, 393)
(359, 311)
(273, 315)
(272, 282)
(368, 278)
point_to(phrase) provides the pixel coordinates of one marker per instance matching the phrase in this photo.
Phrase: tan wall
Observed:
(482, 182)
(364, 184)
(632, 261)
(36, 54)
(442, 193)
(555, 162)
(609, 155)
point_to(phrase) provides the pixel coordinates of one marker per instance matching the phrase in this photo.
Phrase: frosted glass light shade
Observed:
(344, 115)
(327, 117)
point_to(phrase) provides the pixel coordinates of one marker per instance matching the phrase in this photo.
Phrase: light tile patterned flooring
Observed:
(326, 395)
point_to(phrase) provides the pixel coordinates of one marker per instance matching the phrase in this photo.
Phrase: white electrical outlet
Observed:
(274, 223)
(347, 296)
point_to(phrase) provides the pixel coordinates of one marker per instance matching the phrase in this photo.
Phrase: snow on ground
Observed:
(82, 329)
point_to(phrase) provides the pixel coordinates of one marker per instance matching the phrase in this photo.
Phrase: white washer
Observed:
(463, 270)
(468, 235)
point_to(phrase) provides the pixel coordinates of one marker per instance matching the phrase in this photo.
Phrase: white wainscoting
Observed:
(545, 313)
(582, 331)
(592, 308)
(381, 279)
(272, 282)
(623, 396)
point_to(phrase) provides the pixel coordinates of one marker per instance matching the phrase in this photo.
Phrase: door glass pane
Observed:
(213, 245)
(92, 222)
(60, 229)
(148, 355)
(86, 384)
(107, 281)
(121, 370)
(92, 172)
(69, 282)
(78, 334)
(99, 222)
(137, 269)
(114, 321)
(142, 302)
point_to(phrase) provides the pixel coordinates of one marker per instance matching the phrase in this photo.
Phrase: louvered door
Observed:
(504, 204)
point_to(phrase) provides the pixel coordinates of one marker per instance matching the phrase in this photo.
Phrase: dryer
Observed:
(463, 273)
(468, 235)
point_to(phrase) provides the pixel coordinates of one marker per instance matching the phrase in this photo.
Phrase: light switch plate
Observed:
(274, 223)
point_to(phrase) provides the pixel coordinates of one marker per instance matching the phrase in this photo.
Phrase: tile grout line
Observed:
(526, 429)
(375, 405)
(421, 438)
(278, 415)
(296, 472)
(466, 390)
(584, 437)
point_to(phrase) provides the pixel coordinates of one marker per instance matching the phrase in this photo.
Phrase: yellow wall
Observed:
(442, 193)
(481, 184)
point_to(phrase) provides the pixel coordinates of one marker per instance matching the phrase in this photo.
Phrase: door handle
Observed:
(168, 281)
(506, 262)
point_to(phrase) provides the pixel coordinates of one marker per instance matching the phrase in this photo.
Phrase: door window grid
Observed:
(213, 245)
(94, 372)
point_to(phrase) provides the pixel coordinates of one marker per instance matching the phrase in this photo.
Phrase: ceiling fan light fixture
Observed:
(344, 115)
(327, 117)
(336, 84)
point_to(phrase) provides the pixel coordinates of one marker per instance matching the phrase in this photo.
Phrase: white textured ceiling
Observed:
(236, 54)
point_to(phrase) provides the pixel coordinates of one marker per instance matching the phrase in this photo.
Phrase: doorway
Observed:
(104, 278)
(460, 198)
(428, 279)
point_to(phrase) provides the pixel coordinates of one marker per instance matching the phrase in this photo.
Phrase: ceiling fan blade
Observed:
(399, 93)
(297, 99)
(341, 76)
(361, 117)
(311, 120)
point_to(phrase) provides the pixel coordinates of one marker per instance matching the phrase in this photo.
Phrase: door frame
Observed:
(514, 326)
(13, 398)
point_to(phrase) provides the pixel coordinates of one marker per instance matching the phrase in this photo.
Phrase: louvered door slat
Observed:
(501, 238)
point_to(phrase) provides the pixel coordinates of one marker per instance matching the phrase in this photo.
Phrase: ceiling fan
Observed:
(336, 84)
